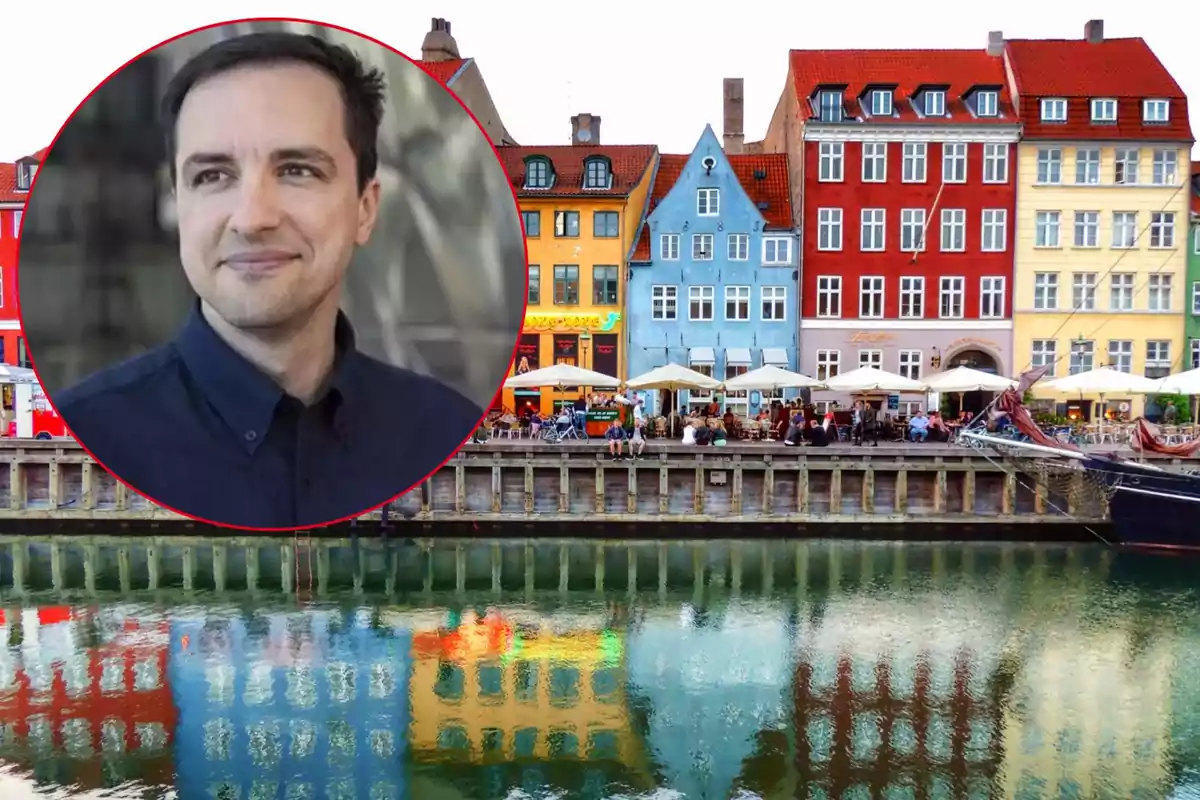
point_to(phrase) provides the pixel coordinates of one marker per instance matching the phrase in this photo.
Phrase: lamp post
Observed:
(585, 339)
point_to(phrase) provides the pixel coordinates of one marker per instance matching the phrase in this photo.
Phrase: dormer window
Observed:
(935, 103)
(830, 108)
(1156, 111)
(881, 102)
(1104, 109)
(987, 103)
(538, 174)
(597, 174)
(25, 174)
(1054, 109)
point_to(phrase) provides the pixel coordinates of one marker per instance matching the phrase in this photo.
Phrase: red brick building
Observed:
(15, 181)
(905, 163)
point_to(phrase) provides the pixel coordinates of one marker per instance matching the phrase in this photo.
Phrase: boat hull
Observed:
(1149, 508)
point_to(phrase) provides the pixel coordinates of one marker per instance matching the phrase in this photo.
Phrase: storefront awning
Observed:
(701, 355)
(775, 357)
(737, 356)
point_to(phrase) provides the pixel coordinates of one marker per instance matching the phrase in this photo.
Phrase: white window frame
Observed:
(740, 297)
(1049, 166)
(870, 357)
(708, 202)
(872, 230)
(1120, 356)
(774, 298)
(18, 215)
(1196, 240)
(953, 287)
(912, 222)
(992, 287)
(829, 295)
(1156, 110)
(828, 364)
(703, 247)
(954, 162)
(1104, 109)
(881, 102)
(1053, 109)
(701, 295)
(912, 297)
(987, 103)
(909, 364)
(1162, 230)
(1127, 163)
(1082, 357)
(1083, 290)
(1196, 298)
(1044, 353)
(1158, 358)
(914, 163)
(831, 106)
(736, 400)
(874, 162)
(1045, 291)
(1159, 290)
(664, 302)
(934, 104)
(871, 297)
(993, 230)
(668, 246)
(829, 222)
(995, 162)
(1195, 348)
(1125, 222)
(1164, 166)
(776, 258)
(1087, 166)
(831, 164)
(1087, 229)
(1120, 290)
(1047, 231)
(953, 219)
(737, 247)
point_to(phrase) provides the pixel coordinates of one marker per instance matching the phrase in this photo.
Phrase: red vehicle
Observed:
(47, 424)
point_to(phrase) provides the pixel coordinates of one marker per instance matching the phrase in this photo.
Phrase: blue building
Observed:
(714, 276)
(309, 703)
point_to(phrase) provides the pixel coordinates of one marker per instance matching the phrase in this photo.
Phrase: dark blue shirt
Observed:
(197, 428)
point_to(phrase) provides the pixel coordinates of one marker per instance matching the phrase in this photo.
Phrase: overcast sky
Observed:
(651, 70)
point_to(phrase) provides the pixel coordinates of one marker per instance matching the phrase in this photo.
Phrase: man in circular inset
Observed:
(262, 412)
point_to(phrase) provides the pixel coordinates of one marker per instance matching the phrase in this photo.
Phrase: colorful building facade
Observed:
(713, 279)
(582, 206)
(1192, 331)
(905, 159)
(1102, 210)
(15, 183)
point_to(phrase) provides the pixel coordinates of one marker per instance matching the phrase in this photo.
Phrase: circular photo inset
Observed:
(272, 274)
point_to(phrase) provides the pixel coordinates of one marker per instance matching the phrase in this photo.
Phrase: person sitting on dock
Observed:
(938, 430)
(816, 434)
(637, 442)
(689, 433)
(616, 439)
(918, 427)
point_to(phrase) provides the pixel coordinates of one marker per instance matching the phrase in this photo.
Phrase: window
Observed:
(991, 297)
(597, 175)
(1054, 109)
(605, 224)
(535, 284)
(702, 247)
(774, 303)
(1195, 240)
(995, 226)
(668, 246)
(1083, 291)
(872, 233)
(1162, 229)
(870, 297)
(954, 162)
(830, 106)
(1127, 166)
(1164, 170)
(700, 303)
(737, 303)
(951, 306)
(1046, 232)
(1120, 355)
(995, 163)
(1045, 354)
(1196, 298)
(987, 103)
(1157, 111)
(777, 250)
(935, 103)
(1195, 354)
(874, 162)
(828, 364)
(736, 401)
(1045, 291)
(663, 303)
(537, 173)
(829, 229)
(566, 285)
(954, 230)
(1125, 231)
(881, 103)
(829, 296)
(912, 229)
(1159, 292)
(1158, 358)
(913, 168)
(1120, 296)
(1104, 110)
(910, 364)
(738, 246)
(912, 297)
(604, 285)
(870, 358)
(708, 202)
(1049, 165)
(1083, 356)
(1087, 228)
(831, 162)
(1087, 165)
(532, 220)
(566, 224)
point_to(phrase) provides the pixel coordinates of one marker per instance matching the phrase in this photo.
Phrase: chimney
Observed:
(1093, 32)
(439, 45)
(734, 107)
(995, 47)
(585, 129)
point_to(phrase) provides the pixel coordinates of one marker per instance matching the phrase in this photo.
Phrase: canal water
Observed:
(777, 670)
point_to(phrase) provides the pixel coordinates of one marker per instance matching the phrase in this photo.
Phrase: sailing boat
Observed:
(1149, 506)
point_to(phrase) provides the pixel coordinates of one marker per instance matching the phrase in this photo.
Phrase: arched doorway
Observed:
(973, 402)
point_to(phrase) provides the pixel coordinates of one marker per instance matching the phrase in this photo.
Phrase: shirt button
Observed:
(251, 436)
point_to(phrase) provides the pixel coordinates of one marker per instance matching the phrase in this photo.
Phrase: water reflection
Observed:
(874, 671)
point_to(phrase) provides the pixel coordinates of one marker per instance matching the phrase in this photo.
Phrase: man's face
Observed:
(268, 201)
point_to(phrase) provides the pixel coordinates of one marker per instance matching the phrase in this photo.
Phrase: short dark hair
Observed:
(362, 87)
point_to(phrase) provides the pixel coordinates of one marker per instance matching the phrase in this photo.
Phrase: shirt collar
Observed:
(243, 396)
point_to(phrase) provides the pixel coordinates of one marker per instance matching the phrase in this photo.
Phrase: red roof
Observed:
(8, 180)
(774, 189)
(443, 71)
(628, 163)
(959, 71)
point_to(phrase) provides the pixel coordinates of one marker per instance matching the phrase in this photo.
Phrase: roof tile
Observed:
(628, 163)
(8, 180)
(443, 71)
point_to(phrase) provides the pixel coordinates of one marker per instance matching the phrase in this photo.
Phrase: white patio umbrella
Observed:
(11, 374)
(560, 376)
(1186, 383)
(965, 379)
(870, 379)
(1103, 381)
(672, 377)
(771, 377)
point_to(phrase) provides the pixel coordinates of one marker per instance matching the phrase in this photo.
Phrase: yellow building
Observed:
(1101, 212)
(583, 205)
